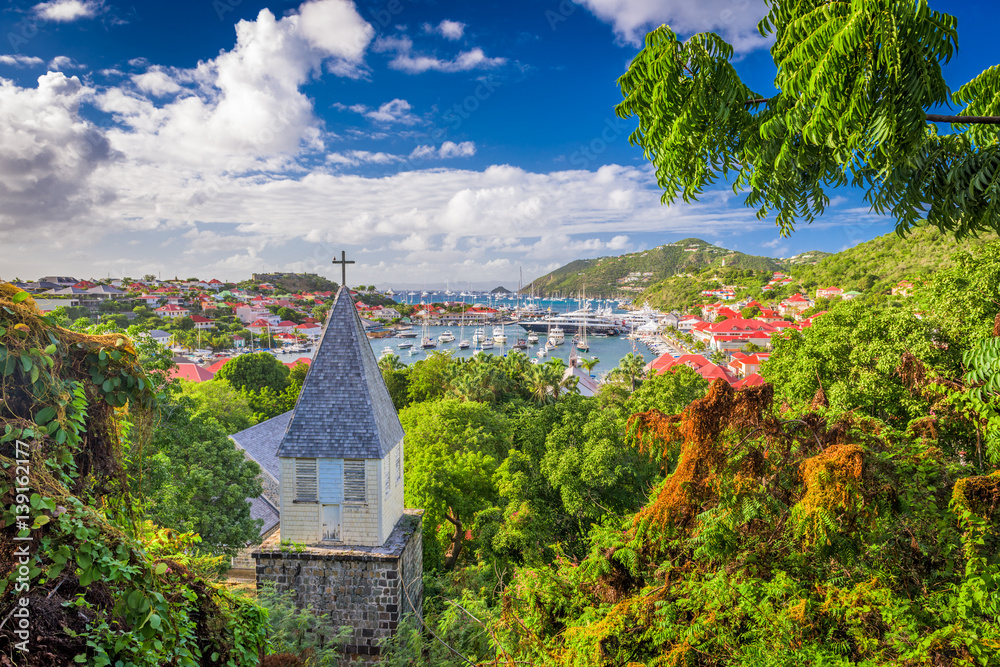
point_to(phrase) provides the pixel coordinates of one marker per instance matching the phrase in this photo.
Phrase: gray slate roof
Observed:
(260, 508)
(344, 409)
(261, 442)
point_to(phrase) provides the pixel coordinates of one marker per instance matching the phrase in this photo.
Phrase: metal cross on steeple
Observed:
(343, 261)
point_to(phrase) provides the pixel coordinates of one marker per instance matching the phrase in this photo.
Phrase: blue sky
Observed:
(434, 141)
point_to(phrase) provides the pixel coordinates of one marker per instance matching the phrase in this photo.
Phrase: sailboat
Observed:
(581, 343)
(426, 341)
(463, 344)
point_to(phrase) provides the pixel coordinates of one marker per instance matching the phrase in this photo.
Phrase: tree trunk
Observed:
(457, 542)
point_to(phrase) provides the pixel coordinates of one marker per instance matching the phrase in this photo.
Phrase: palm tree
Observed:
(631, 368)
(588, 364)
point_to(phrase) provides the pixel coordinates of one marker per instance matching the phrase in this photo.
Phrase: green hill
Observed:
(875, 265)
(811, 257)
(882, 262)
(634, 272)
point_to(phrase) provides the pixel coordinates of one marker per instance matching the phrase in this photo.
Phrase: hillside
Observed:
(875, 265)
(810, 257)
(633, 272)
(297, 282)
(884, 261)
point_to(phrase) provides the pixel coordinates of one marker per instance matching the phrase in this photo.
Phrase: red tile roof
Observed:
(751, 380)
(192, 372)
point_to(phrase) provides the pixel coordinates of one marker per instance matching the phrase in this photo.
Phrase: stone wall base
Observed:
(367, 589)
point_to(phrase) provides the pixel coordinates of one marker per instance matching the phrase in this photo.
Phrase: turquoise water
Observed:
(609, 350)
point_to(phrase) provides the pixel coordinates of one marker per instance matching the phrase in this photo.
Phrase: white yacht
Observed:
(532, 337)
(499, 335)
(487, 344)
(446, 337)
(479, 336)
(557, 335)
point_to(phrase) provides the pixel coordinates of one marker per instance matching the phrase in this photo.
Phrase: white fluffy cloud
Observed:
(452, 30)
(394, 111)
(246, 105)
(448, 149)
(66, 10)
(48, 155)
(734, 19)
(20, 61)
(60, 63)
(406, 60)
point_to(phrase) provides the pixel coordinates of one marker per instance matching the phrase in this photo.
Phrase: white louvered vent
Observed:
(399, 464)
(388, 479)
(305, 480)
(354, 480)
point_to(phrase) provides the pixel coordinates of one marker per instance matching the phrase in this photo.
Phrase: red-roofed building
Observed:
(828, 292)
(259, 326)
(85, 284)
(301, 360)
(753, 380)
(202, 322)
(743, 364)
(149, 300)
(188, 370)
(794, 305)
(311, 329)
(726, 312)
(171, 310)
(696, 362)
(734, 334)
(769, 316)
(689, 323)
(219, 363)
(809, 322)
(285, 326)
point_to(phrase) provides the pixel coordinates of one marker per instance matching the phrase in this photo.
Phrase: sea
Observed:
(608, 350)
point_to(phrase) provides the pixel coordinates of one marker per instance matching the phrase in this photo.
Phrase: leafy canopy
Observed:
(855, 81)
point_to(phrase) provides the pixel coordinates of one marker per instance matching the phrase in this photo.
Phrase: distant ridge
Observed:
(632, 272)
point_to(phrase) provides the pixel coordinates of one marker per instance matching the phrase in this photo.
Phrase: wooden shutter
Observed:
(305, 480)
(354, 480)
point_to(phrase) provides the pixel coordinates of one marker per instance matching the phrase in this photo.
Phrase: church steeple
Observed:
(344, 409)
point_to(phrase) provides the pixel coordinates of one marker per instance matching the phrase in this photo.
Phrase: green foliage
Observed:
(452, 449)
(193, 479)
(430, 378)
(254, 372)
(397, 380)
(880, 264)
(668, 392)
(221, 402)
(852, 353)
(855, 81)
(301, 630)
(113, 587)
